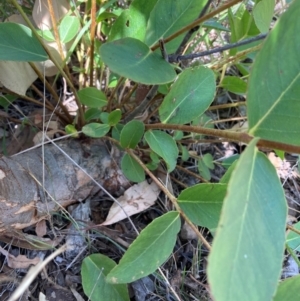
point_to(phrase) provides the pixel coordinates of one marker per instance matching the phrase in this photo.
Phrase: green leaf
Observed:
(92, 113)
(243, 68)
(203, 121)
(249, 243)
(214, 24)
(96, 130)
(133, 21)
(46, 35)
(168, 16)
(227, 162)
(92, 97)
(68, 28)
(263, 14)
(132, 169)
(202, 203)
(152, 165)
(151, 249)
(154, 157)
(94, 270)
(17, 43)
(208, 160)
(274, 84)
(194, 88)
(164, 145)
(7, 100)
(185, 155)
(113, 80)
(132, 58)
(178, 135)
(226, 177)
(279, 153)
(238, 24)
(104, 117)
(203, 170)
(70, 129)
(114, 117)
(242, 25)
(116, 131)
(106, 15)
(164, 89)
(288, 289)
(234, 84)
(293, 239)
(132, 133)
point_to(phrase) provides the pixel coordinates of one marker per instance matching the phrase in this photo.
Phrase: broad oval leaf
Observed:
(92, 97)
(114, 117)
(132, 170)
(132, 58)
(185, 155)
(96, 130)
(288, 289)
(168, 16)
(164, 145)
(204, 170)
(16, 76)
(92, 113)
(208, 160)
(263, 14)
(17, 43)
(234, 84)
(94, 269)
(202, 203)
(68, 28)
(104, 117)
(190, 96)
(247, 252)
(132, 133)
(133, 21)
(116, 131)
(46, 34)
(151, 249)
(273, 100)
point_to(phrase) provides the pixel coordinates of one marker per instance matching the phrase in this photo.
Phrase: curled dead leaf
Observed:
(136, 199)
(19, 262)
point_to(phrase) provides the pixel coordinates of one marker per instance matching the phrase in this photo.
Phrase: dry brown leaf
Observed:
(187, 232)
(136, 199)
(41, 14)
(47, 67)
(19, 262)
(15, 18)
(164, 177)
(283, 167)
(241, 126)
(38, 138)
(41, 228)
(16, 76)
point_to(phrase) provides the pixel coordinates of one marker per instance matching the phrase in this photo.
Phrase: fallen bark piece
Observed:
(25, 200)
